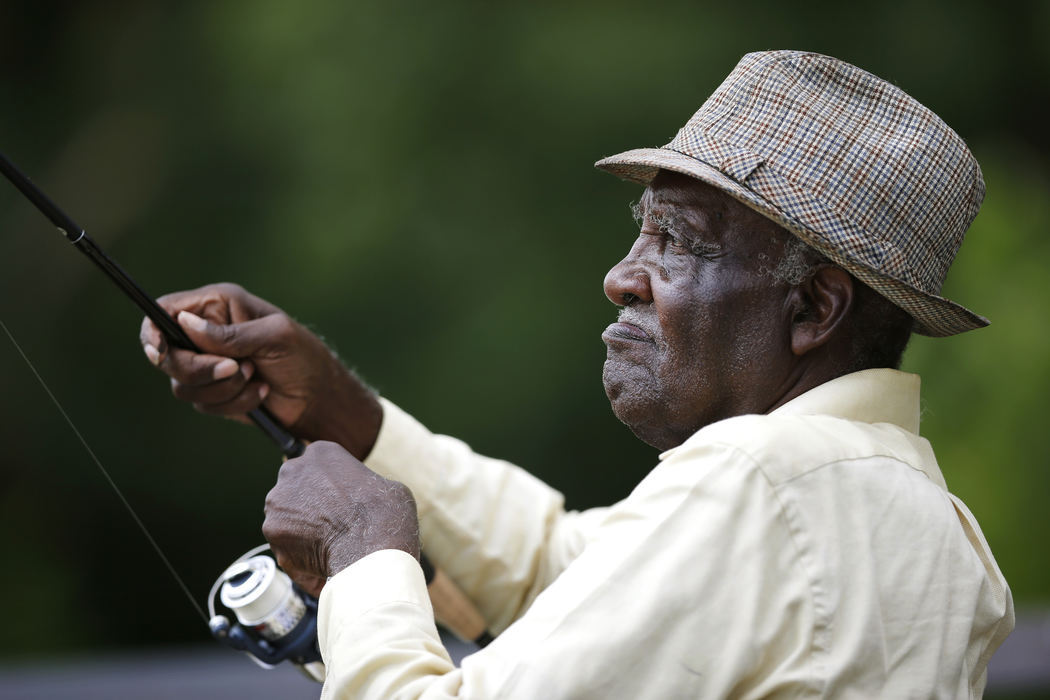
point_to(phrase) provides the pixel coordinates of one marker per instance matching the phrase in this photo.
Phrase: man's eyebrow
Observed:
(638, 211)
(657, 212)
(665, 215)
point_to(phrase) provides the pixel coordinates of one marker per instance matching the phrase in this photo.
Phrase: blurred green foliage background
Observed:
(414, 181)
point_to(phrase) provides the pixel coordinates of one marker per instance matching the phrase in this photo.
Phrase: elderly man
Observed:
(796, 538)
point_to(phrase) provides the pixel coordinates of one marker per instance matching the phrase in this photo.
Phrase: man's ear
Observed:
(820, 306)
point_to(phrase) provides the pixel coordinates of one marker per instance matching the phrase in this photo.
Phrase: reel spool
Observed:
(277, 620)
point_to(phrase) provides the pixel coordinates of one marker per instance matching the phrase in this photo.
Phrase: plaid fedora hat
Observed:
(847, 162)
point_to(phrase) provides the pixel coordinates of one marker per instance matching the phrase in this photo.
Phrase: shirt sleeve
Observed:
(646, 610)
(500, 533)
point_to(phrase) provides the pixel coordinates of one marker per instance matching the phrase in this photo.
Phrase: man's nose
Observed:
(628, 280)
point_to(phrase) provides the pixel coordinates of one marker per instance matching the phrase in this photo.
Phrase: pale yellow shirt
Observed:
(810, 553)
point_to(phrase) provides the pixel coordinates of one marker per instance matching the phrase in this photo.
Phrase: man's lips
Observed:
(625, 331)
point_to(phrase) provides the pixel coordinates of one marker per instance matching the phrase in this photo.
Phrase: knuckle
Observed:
(324, 447)
(268, 504)
(273, 536)
(221, 406)
(200, 370)
(247, 401)
(287, 471)
(283, 326)
(229, 288)
(167, 300)
(284, 562)
(227, 334)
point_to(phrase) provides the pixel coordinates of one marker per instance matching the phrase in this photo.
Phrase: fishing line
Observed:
(113, 484)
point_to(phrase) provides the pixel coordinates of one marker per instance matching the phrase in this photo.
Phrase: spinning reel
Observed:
(276, 620)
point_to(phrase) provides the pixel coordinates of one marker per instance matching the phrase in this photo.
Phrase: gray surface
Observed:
(214, 673)
(1023, 661)
(207, 673)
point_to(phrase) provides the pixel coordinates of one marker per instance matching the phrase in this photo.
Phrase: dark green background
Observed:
(414, 181)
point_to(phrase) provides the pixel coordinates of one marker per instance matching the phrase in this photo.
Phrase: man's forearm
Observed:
(489, 525)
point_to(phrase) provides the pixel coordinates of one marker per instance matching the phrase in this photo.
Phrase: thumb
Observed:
(233, 339)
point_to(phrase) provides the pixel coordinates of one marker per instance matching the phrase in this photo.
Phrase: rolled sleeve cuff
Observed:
(383, 577)
(376, 627)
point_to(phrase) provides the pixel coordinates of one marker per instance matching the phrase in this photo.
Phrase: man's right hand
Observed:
(252, 354)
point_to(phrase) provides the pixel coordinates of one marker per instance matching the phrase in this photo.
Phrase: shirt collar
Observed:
(868, 396)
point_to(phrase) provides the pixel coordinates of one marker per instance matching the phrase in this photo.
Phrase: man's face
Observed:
(703, 332)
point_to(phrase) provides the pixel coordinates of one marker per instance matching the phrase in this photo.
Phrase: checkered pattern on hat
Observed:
(849, 163)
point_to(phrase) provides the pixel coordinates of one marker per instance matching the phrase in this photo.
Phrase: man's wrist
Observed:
(341, 559)
(349, 413)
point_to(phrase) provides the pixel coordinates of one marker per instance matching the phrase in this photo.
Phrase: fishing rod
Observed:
(278, 621)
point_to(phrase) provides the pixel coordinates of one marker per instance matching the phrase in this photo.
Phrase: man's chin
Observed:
(638, 417)
(619, 386)
(638, 399)
(653, 435)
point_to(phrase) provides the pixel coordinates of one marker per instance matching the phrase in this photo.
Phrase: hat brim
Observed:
(934, 315)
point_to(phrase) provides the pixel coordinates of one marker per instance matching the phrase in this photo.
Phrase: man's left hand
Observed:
(328, 510)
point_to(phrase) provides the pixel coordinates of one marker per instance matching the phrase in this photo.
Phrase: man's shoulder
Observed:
(786, 446)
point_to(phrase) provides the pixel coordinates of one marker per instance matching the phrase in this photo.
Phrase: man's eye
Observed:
(696, 248)
(681, 245)
(674, 241)
(677, 244)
